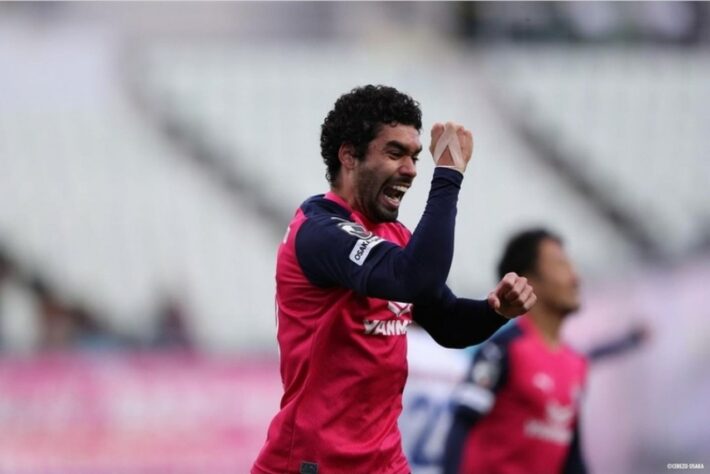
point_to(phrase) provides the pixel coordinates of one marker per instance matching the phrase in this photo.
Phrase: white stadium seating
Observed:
(97, 195)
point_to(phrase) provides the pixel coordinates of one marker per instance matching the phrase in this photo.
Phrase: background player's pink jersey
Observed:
(343, 355)
(525, 396)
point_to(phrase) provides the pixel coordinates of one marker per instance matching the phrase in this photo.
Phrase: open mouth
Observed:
(394, 193)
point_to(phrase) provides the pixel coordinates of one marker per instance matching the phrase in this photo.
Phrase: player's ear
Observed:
(346, 155)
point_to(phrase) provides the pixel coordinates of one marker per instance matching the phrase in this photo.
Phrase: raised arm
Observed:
(335, 252)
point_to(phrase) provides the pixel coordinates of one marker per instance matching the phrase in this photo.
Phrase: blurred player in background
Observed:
(350, 279)
(518, 410)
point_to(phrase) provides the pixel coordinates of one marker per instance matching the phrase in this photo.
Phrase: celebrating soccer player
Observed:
(350, 279)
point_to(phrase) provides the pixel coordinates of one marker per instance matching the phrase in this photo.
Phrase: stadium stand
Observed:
(255, 112)
(261, 107)
(103, 202)
(628, 120)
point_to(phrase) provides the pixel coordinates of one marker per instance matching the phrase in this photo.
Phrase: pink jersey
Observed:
(519, 406)
(343, 355)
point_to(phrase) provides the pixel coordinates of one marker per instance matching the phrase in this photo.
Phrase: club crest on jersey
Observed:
(543, 381)
(399, 308)
(389, 327)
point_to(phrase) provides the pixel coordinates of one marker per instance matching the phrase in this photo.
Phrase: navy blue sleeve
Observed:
(625, 343)
(474, 398)
(457, 322)
(335, 252)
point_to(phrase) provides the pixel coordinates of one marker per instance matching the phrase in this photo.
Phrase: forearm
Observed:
(458, 322)
(422, 267)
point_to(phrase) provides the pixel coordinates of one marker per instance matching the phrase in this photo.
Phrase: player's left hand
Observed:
(512, 296)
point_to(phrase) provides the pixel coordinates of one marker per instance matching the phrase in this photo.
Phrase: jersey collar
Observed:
(331, 196)
(358, 216)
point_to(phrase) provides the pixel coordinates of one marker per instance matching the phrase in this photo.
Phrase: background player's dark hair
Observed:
(5, 262)
(521, 252)
(357, 118)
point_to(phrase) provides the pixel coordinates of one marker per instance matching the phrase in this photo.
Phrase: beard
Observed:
(370, 186)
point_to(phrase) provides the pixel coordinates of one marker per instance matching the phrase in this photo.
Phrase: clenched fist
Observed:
(512, 297)
(451, 145)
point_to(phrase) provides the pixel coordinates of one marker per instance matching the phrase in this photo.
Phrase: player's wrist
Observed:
(448, 173)
(451, 167)
(493, 311)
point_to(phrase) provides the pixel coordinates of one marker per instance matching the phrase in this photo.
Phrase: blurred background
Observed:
(151, 156)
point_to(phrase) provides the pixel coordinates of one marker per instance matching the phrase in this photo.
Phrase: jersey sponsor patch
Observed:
(389, 327)
(487, 369)
(353, 228)
(475, 397)
(556, 427)
(362, 249)
(485, 373)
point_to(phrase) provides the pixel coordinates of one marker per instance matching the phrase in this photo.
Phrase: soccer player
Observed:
(518, 410)
(350, 279)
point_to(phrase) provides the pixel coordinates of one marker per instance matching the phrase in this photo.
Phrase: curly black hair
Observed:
(357, 118)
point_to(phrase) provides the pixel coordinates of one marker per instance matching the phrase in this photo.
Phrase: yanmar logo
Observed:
(556, 427)
(390, 327)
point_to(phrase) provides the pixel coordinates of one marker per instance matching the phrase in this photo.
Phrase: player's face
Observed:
(555, 281)
(387, 171)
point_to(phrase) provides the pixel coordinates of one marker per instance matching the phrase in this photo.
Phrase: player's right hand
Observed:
(512, 296)
(465, 139)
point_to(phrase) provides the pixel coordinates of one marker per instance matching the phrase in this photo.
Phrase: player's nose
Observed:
(408, 168)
